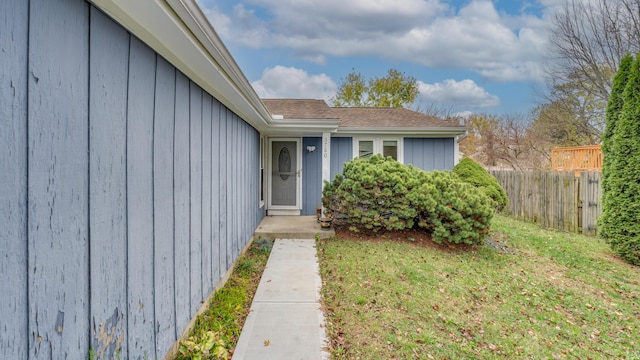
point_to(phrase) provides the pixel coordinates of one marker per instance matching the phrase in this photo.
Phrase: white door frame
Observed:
(281, 209)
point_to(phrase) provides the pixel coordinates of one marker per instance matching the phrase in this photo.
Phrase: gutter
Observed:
(406, 131)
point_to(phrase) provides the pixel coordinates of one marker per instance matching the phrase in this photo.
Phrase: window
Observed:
(366, 147)
(390, 148)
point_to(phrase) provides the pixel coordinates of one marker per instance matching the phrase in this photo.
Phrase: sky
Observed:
(468, 56)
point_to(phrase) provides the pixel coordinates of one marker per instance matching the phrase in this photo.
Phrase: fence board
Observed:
(590, 195)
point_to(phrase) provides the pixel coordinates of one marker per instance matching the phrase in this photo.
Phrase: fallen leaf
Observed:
(267, 343)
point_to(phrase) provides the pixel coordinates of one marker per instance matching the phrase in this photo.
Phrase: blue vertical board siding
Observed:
(341, 152)
(140, 112)
(430, 154)
(58, 184)
(195, 158)
(163, 207)
(126, 191)
(311, 175)
(13, 179)
(234, 178)
(242, 188)
(181, 203)
(207, 282)
(215, 191)
(223, 189)
(108, 69)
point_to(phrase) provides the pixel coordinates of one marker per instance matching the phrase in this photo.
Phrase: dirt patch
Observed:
(498, 242)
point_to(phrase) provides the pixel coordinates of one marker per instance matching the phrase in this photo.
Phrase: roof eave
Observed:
(180, 32)
(302, 126)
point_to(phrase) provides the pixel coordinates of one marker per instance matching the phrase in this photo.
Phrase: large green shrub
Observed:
(620, 220)
(373, 194)
(382, 194)
(473, 173)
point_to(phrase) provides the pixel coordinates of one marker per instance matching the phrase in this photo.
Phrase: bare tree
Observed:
(588, 40)
(508, 141)
(441, 111)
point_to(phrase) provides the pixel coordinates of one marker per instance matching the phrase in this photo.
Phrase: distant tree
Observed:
(436, 110)
(394, 90)
(352, 91)
(507, 141)
(480, 143)
(620, 220)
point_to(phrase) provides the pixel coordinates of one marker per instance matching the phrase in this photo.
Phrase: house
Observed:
(318, 139)
(134, 166)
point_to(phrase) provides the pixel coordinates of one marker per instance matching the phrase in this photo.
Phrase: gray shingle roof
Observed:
(388, 117)
(299, 108)
(355, 117)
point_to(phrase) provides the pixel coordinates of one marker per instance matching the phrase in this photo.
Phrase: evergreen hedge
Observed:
(619, 224)
(473, 173)
(382, 194)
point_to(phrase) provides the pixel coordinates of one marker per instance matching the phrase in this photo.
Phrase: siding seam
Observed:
(26, 193)
(201, 192)
(173, 186)
(89, 177)
(126, 196)
(153, 208)
(189, 192)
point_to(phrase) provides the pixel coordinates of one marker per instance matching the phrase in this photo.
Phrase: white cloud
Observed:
(463, 94)
(290, 82)
(500, 47)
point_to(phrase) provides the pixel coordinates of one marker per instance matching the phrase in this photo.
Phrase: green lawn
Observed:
(547, 294)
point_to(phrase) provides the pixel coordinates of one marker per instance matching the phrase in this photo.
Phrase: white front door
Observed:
(285, 174)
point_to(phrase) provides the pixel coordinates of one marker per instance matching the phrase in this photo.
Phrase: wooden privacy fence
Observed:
(558, 200)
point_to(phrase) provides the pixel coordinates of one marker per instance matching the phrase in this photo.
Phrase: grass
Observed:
(546, 294)
(230, 305)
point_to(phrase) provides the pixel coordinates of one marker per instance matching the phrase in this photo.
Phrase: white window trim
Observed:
(378, 145)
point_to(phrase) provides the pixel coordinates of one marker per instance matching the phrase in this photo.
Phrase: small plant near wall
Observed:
(207, 346)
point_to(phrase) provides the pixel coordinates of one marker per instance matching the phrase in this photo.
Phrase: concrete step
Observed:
(291, 227)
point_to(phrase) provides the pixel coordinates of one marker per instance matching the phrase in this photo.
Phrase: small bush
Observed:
(382, 194)
(473, 173)
(462, 212)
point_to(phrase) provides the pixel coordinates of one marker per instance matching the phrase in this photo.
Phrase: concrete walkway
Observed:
(286, 321)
